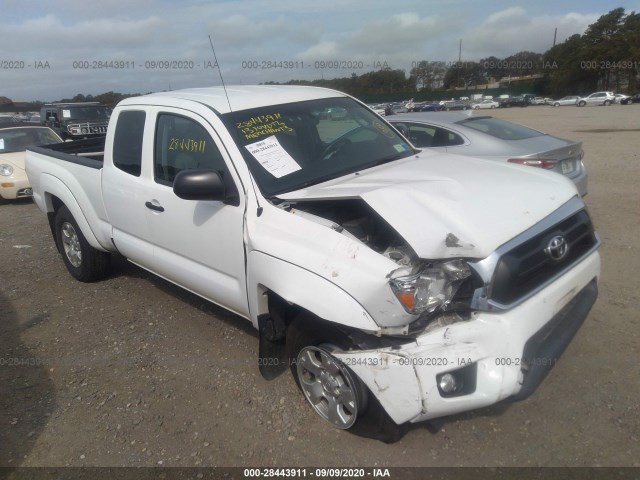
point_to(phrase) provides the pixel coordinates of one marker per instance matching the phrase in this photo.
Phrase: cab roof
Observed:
(241, 97)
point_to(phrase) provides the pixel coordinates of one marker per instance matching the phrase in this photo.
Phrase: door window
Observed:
(181, 144)
(127, 142)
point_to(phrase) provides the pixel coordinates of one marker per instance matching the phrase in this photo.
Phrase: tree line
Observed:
(605, 57)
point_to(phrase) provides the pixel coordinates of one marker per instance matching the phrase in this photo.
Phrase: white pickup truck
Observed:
(398, 285)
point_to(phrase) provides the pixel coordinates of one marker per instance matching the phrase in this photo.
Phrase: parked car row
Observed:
(19, 118)
(597, 98)
(523, 100)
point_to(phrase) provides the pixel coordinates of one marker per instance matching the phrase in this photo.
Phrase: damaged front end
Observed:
(432, 293)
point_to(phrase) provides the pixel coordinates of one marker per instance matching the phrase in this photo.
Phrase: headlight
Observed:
(432, 287)
(6, 170)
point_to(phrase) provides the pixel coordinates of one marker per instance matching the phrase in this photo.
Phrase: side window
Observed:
(446, 138)
(127, 142)
(181, 144)
(421, 135)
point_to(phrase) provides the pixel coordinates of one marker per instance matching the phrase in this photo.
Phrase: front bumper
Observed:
(510, 352)
(14, 187)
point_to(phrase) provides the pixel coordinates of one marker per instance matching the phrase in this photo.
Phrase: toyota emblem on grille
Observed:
(557, 248)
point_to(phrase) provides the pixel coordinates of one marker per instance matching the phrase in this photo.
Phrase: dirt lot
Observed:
(134, 371)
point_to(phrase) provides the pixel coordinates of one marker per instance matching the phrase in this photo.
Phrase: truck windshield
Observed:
(97, 112)
(295, 145)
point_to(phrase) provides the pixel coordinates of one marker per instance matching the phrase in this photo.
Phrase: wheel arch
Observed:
(279, 292)
(55, 195)
(303, 289)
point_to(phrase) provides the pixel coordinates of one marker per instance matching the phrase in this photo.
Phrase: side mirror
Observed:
(200, 184)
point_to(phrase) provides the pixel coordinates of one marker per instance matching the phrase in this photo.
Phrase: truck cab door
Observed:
(197, 244)
(125, 184)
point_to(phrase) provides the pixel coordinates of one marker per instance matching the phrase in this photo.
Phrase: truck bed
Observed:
(89, 152)
(71, 172)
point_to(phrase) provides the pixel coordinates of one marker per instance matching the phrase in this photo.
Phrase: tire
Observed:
(556, 104)
(607, 103)
(492, 107)
(83, 262)
(350, 405)
(3, 201)
(478, 108)
(582, 103)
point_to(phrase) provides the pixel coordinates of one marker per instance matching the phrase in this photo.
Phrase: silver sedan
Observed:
(494, 139)
(570, 100)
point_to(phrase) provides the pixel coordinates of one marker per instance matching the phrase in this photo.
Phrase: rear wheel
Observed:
(607, 103)
(331, 388)
(83, 261)
(582, 103)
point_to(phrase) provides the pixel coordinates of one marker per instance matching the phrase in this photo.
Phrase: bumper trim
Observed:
(542, 350)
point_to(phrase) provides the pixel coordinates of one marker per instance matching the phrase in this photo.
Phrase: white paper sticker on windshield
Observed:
(1, 143)
(399, 147)
(273, 157)
(66, 113)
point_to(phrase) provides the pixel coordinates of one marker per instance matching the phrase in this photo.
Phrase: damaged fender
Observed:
(305, 289)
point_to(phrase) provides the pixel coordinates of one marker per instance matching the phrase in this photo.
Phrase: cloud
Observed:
(397, 33)
(241, 32)
(510, 31)
(48, 33)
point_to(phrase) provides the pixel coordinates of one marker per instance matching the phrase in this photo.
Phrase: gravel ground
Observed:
(133, 371)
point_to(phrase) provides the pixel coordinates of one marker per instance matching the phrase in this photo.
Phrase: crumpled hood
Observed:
(449, 205)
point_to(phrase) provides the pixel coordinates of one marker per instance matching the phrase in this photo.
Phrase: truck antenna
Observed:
(220, 72)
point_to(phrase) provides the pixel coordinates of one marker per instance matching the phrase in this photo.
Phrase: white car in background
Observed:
(597, 98)
(485, 104)
(378, 108)
(568, 100)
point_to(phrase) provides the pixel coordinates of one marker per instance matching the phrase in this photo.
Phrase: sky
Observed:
(53, 49)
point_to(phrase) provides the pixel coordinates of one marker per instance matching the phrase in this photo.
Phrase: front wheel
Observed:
(83, 262)
(582, 104)
(607, 103)
(331, 388)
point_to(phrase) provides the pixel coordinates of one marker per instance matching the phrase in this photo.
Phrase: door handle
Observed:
(156, 208)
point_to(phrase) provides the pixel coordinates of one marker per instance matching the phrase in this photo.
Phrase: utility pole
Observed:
(555, 34)
(459, 62)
